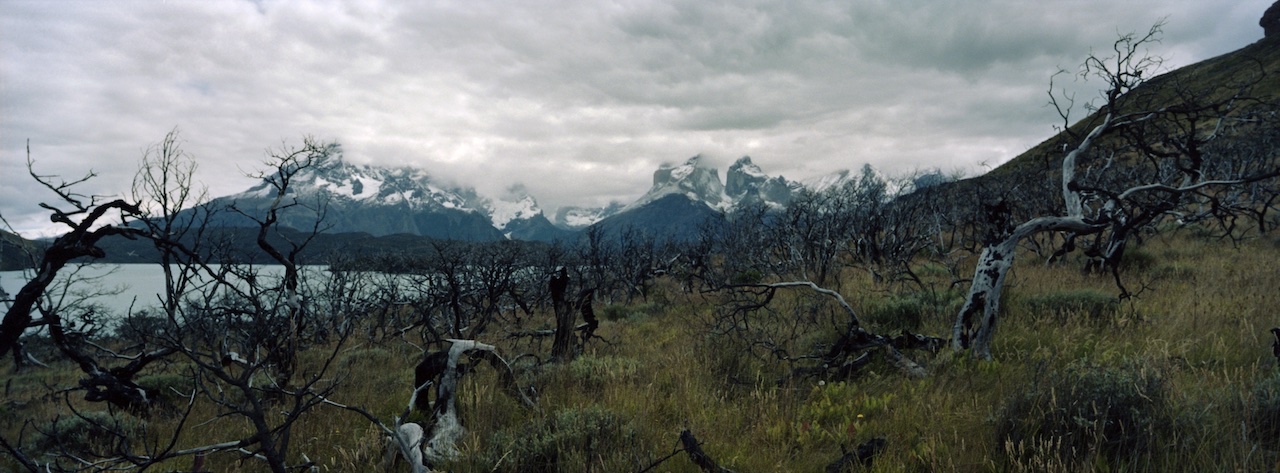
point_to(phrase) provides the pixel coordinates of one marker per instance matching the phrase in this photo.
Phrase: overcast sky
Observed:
(578, 101)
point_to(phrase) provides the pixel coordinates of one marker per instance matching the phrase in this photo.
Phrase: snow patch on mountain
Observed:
(502, 212)
(344, 184)
(574, 218)
(700, 184)
(746, 182)
(827, 181)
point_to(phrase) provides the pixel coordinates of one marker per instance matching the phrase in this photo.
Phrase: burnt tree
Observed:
(1152, 150)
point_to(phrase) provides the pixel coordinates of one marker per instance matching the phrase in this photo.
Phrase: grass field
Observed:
(1180, 378)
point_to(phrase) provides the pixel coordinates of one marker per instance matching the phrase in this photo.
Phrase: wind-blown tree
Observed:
(1151, 150)
(108, 378)
(88, 220)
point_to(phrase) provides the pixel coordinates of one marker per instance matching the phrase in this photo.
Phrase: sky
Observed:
(578, 101)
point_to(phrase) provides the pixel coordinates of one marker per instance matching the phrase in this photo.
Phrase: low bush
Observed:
(87, 432)
(837, 413)
(599, 370)
(910, 311)
(1138, 260)
(630, 312)
(1091, 305)
(168, 385)
(1113, 411)
(1262, 416)
(572, 439)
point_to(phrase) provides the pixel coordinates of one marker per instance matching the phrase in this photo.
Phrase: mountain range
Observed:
(383, 201)
(379, 202)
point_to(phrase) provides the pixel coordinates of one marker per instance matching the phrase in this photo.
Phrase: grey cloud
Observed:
(577, 100)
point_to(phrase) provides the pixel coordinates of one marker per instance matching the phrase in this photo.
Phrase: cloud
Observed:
(578, 101)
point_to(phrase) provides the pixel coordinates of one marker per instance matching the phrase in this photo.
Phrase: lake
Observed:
(127, 282)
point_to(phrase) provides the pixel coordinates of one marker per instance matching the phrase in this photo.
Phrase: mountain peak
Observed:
(574, 217)
(699, 184)
(743, 176)
(668, 173)
(746, 182)
(516, 204)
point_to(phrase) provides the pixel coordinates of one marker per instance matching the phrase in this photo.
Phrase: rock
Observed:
(1270, 21)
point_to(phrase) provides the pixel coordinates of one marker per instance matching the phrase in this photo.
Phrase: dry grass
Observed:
(1200, 323)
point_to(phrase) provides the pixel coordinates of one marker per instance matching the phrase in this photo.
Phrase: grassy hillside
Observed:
(1207, 80)
(1188, 365)
(15, 252)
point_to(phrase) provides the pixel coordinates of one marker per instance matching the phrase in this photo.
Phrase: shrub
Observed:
(86, 432)
(896, 313)
(1114, 411)
(168, 385)
(1177, 271)
(615, 312)
(1093, 304)
(909, 311)
(749, 276)
(1137, 260)
(631, 312)
(838, 412)
(573, 439)
(142, 326)
(1263, 416)
(368, 356)
(599, 370)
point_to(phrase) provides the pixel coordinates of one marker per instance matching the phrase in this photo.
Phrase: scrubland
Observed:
(1180, 377)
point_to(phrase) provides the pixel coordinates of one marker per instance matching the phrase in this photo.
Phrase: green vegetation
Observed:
(1092, 305)
(1111, 413)
(780, 346)
(1165, 385)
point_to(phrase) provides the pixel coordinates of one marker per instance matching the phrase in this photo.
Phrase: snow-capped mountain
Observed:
(375, 200)
(683, 197)
(385, 201)
(518, 217)
(691, 179)
(827, 181)
(577, 218)
(341, 181)
(503, 212)
(746, 182)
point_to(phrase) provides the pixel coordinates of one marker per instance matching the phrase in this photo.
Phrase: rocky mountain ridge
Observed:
(384, 201)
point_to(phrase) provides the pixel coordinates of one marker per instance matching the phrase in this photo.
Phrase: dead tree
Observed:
(444, 370)
(233, 325)
(88, 221)
(562, 348)
(1144, 157)
(404, 439)
(84, 216)
(590, 322)
(852, 349)
(285, 165)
